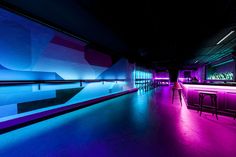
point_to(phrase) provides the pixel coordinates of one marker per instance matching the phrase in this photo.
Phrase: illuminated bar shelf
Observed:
(162, 81)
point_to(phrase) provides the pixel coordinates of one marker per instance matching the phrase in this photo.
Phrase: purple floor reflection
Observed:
(143, 124)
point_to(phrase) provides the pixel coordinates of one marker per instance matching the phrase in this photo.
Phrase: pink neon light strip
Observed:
(162, 78)
(210, 87)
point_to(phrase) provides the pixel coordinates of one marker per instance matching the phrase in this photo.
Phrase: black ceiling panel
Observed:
(150, 32)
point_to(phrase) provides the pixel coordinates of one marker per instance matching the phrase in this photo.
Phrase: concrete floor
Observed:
(139, 124)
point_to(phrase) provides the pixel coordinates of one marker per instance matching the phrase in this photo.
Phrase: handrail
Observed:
(21, 82)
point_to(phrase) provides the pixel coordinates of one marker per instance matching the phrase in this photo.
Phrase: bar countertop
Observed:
(225, 96)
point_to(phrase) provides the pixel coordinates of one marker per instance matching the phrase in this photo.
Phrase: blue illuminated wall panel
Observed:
(31, 51)
(27, 75)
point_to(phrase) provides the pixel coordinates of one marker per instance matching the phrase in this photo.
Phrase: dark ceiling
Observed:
(151, 32)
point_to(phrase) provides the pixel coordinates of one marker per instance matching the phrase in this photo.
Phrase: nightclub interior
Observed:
(121, 78)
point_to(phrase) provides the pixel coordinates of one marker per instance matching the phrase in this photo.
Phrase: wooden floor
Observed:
(142, 124)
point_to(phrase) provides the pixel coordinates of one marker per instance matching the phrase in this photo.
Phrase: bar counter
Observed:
(226, 96)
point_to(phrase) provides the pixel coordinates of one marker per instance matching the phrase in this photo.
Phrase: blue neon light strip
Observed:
(228, 61)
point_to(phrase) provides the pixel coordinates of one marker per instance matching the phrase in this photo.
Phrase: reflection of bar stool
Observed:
(232, 111)
(213, 97)
(177, 87)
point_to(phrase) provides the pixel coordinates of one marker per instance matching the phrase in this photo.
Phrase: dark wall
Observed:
(173, 75)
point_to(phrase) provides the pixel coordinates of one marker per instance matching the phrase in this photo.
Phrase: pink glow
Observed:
(225, 95)
(161, 78)
(182, 79)
(186, 123)
(224, 88)
(189, 120)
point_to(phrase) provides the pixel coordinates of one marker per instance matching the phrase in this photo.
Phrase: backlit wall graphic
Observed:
(31, 51)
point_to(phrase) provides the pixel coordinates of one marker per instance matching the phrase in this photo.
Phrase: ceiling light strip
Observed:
(231, 32)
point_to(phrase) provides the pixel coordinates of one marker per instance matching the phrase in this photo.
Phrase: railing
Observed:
(39, 82)
(140, 83)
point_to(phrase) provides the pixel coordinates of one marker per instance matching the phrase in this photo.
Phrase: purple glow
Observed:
(161, 78)
(198, 73)
(182, 79)
(210, 87)
(187, 121)
(226, 96)
(164, 83)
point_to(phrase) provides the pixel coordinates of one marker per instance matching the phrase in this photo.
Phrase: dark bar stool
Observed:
(177, 87)
(213, 97)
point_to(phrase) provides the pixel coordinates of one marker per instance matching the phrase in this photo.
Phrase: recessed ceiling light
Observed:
(231, 32)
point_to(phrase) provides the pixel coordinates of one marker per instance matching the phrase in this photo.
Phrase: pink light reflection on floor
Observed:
(205, 134)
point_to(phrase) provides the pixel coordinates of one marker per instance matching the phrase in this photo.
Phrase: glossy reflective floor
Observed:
(139, 124)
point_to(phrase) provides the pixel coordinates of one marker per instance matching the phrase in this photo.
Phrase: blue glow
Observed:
(221, 76)
(48, 87)
(26, 75)
(143, 75)
(222, 63)
(18, 136)
(8, 110)
(29, 93)
(25, 97)
(31, 51)
(28, 52)
(140, 110)
(98, 89)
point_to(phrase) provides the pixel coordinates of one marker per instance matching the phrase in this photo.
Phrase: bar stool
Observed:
(177, 87)
(213, 97)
